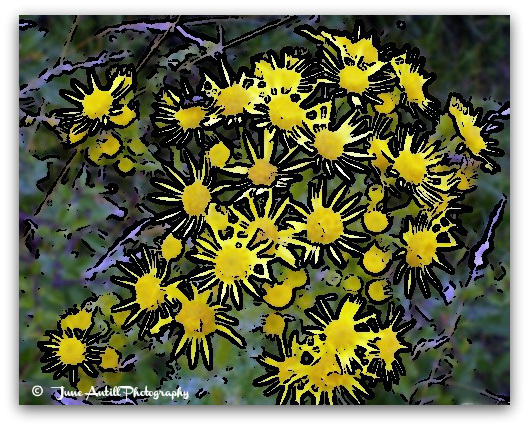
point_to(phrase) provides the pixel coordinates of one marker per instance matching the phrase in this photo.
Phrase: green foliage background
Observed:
(470, 55)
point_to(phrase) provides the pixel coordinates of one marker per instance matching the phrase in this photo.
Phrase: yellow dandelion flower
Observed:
(180, 116)
(413, 82)
(231, 265)
(98, 106)
(147, 279)
(327, 383)
(283, 372)
(190, 196)
(199, 319)
(105, 146)
(304, 371)
(474, 129)
(219, 154)
(422, 241)
(417, 162)
(323, 227)
(357, 44)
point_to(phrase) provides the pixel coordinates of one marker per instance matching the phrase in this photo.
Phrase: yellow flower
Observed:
(288, 73)
(68, 351)
(376, 260)
(342, 338)
(385, 349)
(336, 148)
(231, 265)
(110, 359)
(417, 163)
(179, 119)
(189, 197)
(234, 96)
(263, 218)
(199, 319)
(171, 247)
(472, 126)
(148, 280)
(82, 319)
(323, 226)
(413, 81)
(263, 169)
(281, 295)
(420, 252)
(352, 64)
(98, 106)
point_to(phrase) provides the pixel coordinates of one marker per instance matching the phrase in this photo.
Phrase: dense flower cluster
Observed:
(337, 159)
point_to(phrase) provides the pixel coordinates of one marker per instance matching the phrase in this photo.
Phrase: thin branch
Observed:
(155, 44)
(69, 39)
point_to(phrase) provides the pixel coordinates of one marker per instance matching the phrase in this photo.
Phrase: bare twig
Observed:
(154, 45)
(69, 39)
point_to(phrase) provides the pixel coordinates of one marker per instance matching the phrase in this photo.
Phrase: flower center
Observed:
(233, 100)
(71, 351)
(265, 228)
(149, 294)
(233, 264)
(262, 173)
(324, 226)
(190, 117)
(329, 144)
(285, 113)
(196, 198)
(353, 79)
(97, 104)
(421, 248)
(197, 318)
(411, 166)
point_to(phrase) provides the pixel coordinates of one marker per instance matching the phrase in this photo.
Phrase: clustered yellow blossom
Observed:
(305, 168)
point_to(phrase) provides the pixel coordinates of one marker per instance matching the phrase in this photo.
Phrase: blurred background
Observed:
(72, 233)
